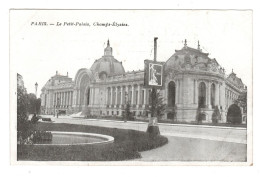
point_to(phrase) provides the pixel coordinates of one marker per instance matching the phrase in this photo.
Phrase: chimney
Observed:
(155, 48)
(67, 74)
(56, 72)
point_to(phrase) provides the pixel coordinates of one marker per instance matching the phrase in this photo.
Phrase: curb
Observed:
(166, 124)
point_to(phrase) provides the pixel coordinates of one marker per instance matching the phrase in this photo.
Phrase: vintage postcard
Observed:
(131, 87)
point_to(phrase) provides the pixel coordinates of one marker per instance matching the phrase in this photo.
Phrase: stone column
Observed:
(196, 90)
(121, 98)
(138, 97)
(90, 96)
(53, 99)
(107, 92)
(74, 97)
(126, 90)
(217, 95)
(176, 92)
(209, 95)
(57, 96)
(93, 96)
(68, 99)
(68, 95)
(61, 99)
(180, 92)
(111, 97)
(71, 93)
(116, 96)
(133, 89)
(145, 101)
(65, 99)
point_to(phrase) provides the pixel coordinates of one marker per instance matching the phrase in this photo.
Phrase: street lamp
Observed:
(36, 86)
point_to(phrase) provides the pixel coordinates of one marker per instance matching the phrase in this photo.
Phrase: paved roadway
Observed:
(186, 142)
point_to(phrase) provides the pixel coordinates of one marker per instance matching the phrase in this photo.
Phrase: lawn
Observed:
(127, 145)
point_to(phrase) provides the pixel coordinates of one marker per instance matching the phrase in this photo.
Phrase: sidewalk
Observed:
(140, 122)
(213, 133)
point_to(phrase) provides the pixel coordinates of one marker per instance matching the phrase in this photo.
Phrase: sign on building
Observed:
(154, 74)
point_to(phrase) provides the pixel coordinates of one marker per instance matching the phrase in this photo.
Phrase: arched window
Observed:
(202, 95)
(171, 93)
(88, 95)
(212, 96)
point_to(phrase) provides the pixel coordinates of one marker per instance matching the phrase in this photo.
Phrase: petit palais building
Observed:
(192, 81)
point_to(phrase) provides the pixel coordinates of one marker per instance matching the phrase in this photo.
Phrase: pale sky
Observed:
(37, 52)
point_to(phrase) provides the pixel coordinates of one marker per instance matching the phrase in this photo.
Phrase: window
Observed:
(202, 95)
(212, 96)
(171, 93)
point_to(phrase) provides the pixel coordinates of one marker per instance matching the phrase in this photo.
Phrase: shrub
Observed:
(157, 107)
(200, 116)
(216, 115)
(33, 137)
(34, 119)
(128, 115)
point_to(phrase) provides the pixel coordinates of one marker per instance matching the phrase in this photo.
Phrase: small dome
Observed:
(107, 65)
(188, 55)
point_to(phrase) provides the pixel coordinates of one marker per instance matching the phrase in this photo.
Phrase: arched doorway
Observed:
(87, 96)
(202, 95)
(234, 114)
(212, 96)
(171, 94)
(82, 81)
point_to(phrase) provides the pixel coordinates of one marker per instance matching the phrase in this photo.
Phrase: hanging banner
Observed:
(153, 74)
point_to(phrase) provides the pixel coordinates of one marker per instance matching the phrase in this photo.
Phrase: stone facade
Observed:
(193, 82)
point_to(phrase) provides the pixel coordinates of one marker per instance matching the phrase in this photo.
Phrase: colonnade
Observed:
(119, 95)
(187, 92)
(63, 99)
(230, 96)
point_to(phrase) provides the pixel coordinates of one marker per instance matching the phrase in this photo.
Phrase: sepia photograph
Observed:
(131, 87)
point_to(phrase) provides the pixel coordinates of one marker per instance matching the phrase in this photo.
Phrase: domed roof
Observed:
(189, 56)
(107, 65)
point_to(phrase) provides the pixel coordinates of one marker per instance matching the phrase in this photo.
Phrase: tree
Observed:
(234, 114)
(22, 114)
(32, 103)
(38, 105)
(157, 107)
(127, 112)
(242, 101)
(22, 106)
(216, 115)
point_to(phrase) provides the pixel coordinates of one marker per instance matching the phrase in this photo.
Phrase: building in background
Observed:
(193, 82)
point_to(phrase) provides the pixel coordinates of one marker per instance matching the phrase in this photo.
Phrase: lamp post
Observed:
(36, 86)
(126, 107)
(58, 105)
